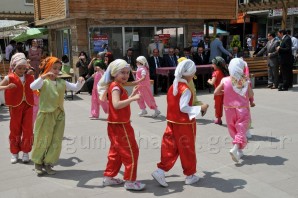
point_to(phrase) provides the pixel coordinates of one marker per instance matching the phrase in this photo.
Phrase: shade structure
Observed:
(218, 31)
(31, 33)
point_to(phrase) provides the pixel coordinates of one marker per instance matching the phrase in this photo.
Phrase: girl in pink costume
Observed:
(237, 92)
(95, 102)
(143, 80)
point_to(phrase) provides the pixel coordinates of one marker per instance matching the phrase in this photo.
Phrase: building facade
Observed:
(85, 25)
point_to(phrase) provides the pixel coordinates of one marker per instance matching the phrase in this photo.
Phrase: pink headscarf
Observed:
(17, 60)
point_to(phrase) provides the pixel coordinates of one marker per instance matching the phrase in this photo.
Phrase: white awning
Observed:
(11, 28)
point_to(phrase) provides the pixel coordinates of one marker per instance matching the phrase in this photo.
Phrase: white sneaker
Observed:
(191, 179)
(136, 185)
(143, 112)
(156, 113)
(234, 154)
(248, 134)
(240, 153)
(110, 181)
(14, 158)
(25, 158)
(160, 178)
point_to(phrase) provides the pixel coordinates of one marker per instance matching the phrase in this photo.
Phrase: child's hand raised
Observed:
(50, 75)
(134, 91)
(136, 97)
(81, 79)
(11, 86)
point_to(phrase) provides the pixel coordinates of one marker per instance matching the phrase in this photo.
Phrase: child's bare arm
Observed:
(4, 82)
(119, 104)
(250, 92)
(219, 89)
(212, 81)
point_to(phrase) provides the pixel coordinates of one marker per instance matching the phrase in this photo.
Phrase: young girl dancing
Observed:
(19, 98)
(50, 121)
(220, 71)
(236, 105)
(124, 148)
(143, 82)
(99, 68)
(180, 134)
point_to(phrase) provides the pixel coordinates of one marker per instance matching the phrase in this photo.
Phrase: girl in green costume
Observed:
(50, 121)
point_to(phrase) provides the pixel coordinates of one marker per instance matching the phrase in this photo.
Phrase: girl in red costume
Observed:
(20, 102)
(220, 71)
(180, 134)
(124, 148)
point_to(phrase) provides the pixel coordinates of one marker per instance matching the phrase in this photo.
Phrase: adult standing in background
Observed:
(34, 56)
(129, 58)
(216, 48)
(272, 55)
(294, 52)
(249, 43)
(285, 58)
(156, 45)
(9, 49)
(205, 44)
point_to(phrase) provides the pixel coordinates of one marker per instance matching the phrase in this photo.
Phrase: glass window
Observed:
(295, 26)
(173, 36)
(106, 39)
(138, 38)
(63, 43)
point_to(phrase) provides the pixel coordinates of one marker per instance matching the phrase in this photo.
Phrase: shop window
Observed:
(106, 39)
(171, 36)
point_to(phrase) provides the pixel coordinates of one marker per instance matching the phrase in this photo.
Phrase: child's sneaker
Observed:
(191, 179)
(14, 158)
(248, 134)
(143, 112)
(25, 158)
(234, 154)
(49, 170)
(218, 121)
(136, 185)
(110, 181)
(156, 113)
(160, 178)
(38, 169)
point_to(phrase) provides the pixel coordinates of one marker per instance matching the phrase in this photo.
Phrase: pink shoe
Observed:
(218, 121)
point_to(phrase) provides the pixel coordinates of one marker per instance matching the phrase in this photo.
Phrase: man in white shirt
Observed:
(9, 49)
(249, 44)
(156, 45)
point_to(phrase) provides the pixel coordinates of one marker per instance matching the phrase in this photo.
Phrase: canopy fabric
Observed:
(31, 33)
(11, 28)
(218, 31)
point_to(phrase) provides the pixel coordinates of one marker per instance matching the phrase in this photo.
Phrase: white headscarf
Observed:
(17, 59)
(143, 60)
(239, 81)
(185, 68)
(112, 70)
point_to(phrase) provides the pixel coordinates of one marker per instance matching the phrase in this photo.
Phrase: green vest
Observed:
(52, 95)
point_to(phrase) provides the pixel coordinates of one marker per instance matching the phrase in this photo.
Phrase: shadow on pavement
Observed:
(220, 184)
(72, 161)
(261, 159)
(264, 138)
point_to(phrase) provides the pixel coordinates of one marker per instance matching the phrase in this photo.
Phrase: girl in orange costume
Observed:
(124, 148)
(220, 71)
(179, 136)
(20, 102)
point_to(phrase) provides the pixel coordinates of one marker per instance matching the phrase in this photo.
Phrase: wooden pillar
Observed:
(284, 14)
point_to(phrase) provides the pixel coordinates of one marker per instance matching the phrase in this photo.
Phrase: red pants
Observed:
(179, 140)
(21, 128)
(123, 149)
(218, 105)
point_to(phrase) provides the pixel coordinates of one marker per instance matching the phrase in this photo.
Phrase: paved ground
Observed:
(269, 169)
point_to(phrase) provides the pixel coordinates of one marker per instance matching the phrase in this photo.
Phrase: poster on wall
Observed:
(100, 43)
(196, 37)
(165, 39)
